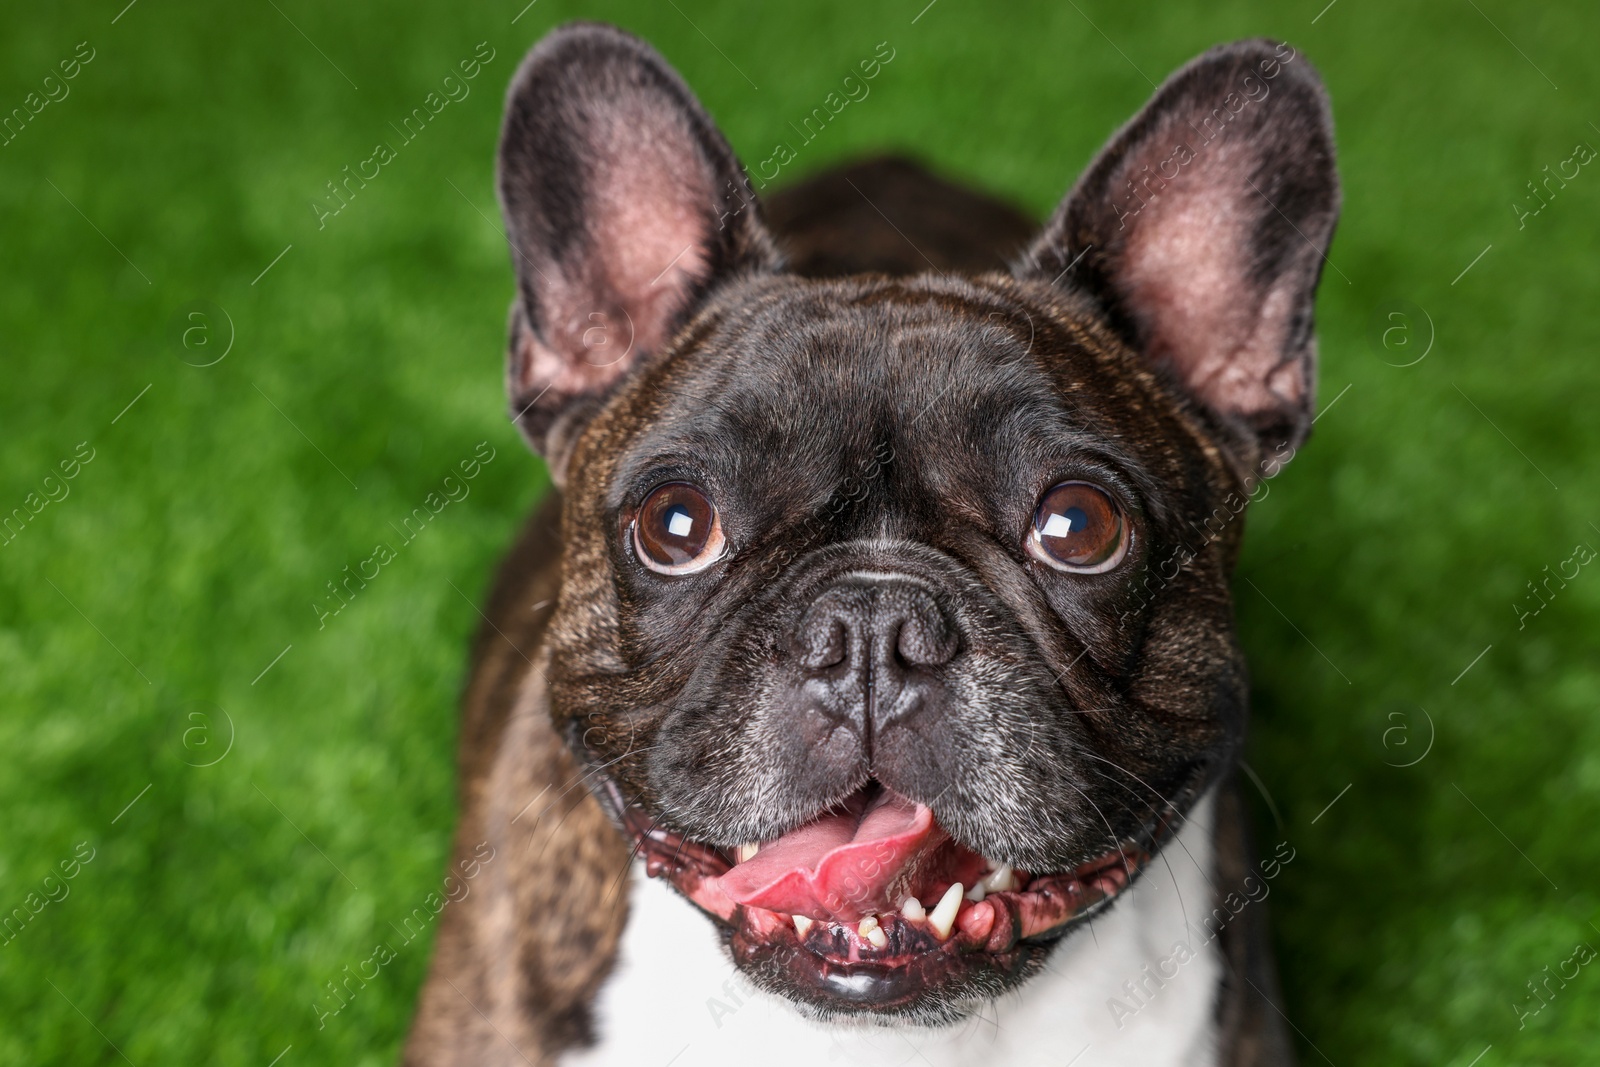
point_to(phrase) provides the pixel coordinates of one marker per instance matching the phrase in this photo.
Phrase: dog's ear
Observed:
(1202, 229)
(624, 207)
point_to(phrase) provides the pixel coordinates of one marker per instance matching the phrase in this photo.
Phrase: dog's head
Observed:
(895, 623)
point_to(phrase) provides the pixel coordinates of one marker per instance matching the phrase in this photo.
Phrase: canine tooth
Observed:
(802, 925)
(912, 909)
(943, 917)
(744, 852)
(1000, 880)
(979, 890)
(878, 938)
(867, 925)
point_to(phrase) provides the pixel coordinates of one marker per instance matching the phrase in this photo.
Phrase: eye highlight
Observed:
(677, 530)
(1079, 528)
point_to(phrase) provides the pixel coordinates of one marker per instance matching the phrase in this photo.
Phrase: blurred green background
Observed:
(263, 794)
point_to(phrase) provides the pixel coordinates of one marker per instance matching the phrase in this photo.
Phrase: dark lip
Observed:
(832, 970)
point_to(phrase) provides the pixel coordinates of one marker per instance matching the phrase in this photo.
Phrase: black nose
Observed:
(870, 648)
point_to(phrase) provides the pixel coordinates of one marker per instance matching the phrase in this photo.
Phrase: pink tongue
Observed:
(836, 868)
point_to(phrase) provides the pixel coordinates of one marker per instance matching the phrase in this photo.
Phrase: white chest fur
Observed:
(676, 998)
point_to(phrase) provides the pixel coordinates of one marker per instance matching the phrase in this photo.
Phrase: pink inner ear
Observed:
(1185, 274)
(651, 217)
(649, 226)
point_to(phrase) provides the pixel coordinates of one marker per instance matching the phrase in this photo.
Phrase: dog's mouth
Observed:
(872, 907)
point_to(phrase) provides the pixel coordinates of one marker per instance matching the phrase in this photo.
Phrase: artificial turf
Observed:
(254, 830)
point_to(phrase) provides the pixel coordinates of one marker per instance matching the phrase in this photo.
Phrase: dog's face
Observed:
(894, 623)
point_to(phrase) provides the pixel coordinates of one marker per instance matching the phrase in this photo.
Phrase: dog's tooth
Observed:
(912, 909)
(867, 925)
(979, 890)
(878, 938)
(744, 852)
(802, 924)
(1000, 880)
(943, 917)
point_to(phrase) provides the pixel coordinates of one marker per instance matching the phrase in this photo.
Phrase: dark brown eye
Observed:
(677, 530)
(1078, 528)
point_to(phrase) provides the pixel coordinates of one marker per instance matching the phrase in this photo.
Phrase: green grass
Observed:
(190, 550)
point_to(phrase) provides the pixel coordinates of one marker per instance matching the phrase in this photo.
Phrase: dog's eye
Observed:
(678, 530)
(1078, 527)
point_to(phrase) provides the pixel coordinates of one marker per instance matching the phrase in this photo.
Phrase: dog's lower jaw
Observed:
(674, 989)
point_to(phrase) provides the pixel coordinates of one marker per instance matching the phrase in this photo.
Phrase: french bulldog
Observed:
(866, 689)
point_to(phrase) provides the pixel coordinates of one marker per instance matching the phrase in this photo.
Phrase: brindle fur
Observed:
(519, 960)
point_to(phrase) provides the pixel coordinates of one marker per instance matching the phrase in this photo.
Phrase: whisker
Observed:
(595, 770)
(1183, 907)
(1177, 830)
(1115, 843)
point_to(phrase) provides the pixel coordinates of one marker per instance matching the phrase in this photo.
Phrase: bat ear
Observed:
(624, 207)
(1201, 230)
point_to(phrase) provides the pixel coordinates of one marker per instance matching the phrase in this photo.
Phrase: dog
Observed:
(866, 689)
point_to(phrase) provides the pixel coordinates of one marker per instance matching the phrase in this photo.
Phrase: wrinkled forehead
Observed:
(824, 378)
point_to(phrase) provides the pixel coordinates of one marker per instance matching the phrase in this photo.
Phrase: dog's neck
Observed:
(676, 997)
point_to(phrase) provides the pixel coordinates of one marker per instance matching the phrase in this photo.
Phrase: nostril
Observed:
(924, 640)
(824, 642)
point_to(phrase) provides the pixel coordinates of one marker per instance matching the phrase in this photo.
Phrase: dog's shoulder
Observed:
(512, 625)
(530, 935)
(1250, 1020)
